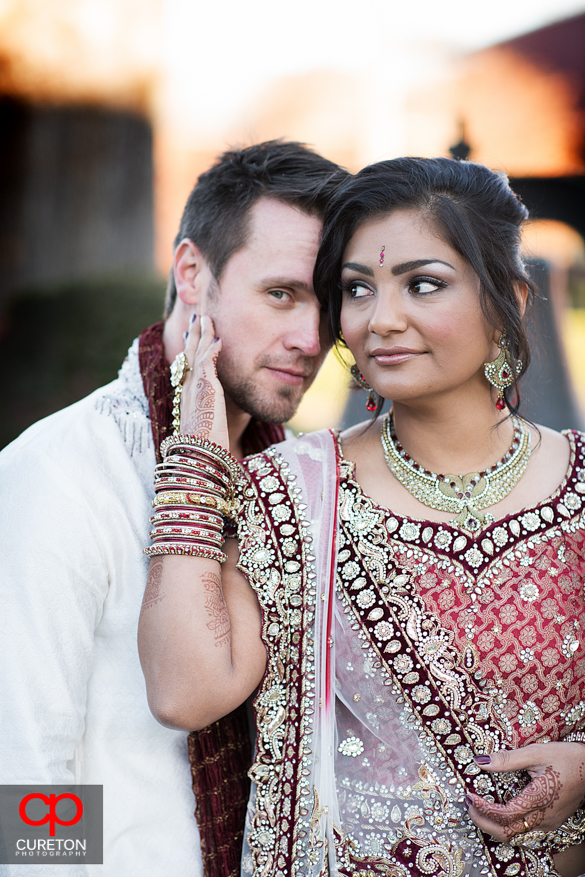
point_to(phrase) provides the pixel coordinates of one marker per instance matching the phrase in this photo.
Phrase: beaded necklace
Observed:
(464, 495)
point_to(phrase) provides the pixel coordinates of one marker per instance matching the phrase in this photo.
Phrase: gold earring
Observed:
(500, 372)
(371, 401)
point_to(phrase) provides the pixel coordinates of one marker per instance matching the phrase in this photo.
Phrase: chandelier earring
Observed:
(500, 372)
(371, 401)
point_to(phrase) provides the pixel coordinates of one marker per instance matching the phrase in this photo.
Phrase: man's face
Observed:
(267, 315)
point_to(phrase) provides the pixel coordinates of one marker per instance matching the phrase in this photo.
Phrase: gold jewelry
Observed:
(179, 369)
(530, 839)
(463, 494)
(229, 508)
(500, 372)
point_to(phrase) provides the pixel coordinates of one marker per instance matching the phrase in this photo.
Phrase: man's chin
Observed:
(268, 407)
(273, 410)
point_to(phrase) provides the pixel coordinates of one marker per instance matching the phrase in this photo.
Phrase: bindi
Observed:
(382, 255)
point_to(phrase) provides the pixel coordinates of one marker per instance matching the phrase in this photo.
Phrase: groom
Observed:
(75, 519)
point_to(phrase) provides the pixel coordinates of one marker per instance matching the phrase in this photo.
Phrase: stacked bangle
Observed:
(188, 521)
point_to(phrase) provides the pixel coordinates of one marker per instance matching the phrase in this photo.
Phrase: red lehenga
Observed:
(397, 650)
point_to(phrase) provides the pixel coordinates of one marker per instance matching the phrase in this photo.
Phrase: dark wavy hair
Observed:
(472, 208)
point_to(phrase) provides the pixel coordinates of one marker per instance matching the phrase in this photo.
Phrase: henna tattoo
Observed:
(216, 609)
(201, 421)
(528, 809)
(153, 593)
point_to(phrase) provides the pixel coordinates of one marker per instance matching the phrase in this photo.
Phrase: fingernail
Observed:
(215, 339)
(185, 336)
(482, 759)
(468, 802)
(193, 318)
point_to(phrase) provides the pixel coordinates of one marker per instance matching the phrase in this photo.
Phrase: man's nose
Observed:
(305, 335)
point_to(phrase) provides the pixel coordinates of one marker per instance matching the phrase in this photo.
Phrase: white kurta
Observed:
(74, 518)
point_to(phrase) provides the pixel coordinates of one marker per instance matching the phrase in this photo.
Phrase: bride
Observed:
(414, 637)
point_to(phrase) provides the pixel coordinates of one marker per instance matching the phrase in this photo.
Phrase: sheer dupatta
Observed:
(305, 706)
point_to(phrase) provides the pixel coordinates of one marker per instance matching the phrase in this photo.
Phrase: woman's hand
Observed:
(203, 410)
(556, 791)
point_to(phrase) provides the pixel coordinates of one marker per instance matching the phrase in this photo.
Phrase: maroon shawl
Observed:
(221, 754)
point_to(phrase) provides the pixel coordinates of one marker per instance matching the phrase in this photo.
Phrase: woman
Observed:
(416, 638)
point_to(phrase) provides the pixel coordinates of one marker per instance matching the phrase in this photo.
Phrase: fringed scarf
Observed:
(221, 754)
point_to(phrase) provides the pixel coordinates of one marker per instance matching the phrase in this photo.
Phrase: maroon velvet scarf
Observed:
(221, 754)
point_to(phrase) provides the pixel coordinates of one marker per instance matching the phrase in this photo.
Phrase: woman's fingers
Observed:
(504, 833)
(192, 338)
(202, 401)
(556, 790)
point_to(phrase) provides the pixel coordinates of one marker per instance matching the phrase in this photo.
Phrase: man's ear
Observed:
(188, 268)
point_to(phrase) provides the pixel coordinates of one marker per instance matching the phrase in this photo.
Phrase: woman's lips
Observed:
(393, 355)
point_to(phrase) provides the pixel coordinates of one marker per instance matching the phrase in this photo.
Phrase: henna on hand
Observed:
(528, 809)
(216, 609)
(200, 422)
(153, 593)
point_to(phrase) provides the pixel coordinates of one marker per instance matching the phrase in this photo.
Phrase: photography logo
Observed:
(51, 825)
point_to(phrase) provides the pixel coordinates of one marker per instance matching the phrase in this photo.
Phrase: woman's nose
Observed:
(389, 314)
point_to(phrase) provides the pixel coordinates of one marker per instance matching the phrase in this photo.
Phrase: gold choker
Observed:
(464, 495)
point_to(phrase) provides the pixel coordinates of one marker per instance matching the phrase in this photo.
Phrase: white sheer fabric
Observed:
(365, 766)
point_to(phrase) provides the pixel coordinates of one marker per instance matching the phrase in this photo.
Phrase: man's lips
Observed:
(394, 355)
(289, 375)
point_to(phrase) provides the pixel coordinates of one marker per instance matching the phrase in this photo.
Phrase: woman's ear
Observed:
(522, 292)
(187, 268)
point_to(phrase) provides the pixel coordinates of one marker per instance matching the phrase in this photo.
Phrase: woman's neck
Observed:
(454, 439)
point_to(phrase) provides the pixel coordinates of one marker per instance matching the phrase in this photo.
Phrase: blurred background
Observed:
(109, 110)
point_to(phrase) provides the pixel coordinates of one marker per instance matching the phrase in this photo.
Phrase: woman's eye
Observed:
(425, 285)
(358, 290)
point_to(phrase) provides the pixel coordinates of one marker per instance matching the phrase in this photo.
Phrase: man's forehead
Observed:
(270, 216)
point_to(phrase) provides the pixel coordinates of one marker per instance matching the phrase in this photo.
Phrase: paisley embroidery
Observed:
(476, 638)
(281, 571)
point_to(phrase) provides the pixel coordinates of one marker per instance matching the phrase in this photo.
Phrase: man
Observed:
(77, 501)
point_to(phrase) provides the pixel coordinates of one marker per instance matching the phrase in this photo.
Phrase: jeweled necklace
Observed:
(465, 495)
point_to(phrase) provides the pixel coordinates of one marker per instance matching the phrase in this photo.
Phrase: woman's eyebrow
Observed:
(355, 266)
(417, 263)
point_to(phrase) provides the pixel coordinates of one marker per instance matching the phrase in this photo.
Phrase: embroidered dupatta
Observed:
(220, 755)
(371, 709)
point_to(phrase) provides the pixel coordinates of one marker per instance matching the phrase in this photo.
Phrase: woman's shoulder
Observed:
(556, 456)
(556, 447)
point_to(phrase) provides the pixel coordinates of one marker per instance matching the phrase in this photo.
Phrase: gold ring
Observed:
(526, 826)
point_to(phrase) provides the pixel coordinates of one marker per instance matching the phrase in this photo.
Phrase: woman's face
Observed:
(410, 313)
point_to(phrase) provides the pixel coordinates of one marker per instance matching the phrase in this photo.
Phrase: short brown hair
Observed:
(216, 214)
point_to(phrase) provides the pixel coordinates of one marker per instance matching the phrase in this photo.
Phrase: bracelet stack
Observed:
(194, 487)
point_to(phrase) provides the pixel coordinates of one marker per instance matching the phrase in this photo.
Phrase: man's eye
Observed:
(426, 285)
(280, 294)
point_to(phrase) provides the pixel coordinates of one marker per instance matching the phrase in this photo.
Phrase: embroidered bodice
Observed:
(511, 599)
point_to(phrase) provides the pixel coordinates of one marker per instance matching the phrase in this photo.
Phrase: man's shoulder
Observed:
(115, 414)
